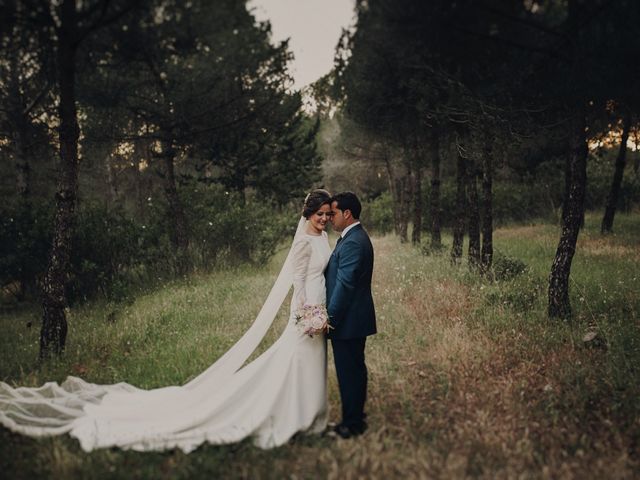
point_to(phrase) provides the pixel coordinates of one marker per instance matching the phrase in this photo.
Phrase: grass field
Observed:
(468, 378)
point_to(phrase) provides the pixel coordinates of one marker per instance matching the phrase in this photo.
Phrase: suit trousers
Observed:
(352, 379)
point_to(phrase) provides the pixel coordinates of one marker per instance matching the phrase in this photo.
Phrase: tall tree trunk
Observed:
(402, 187)
(23, 169)
(20, 139)
(434, 196)
(394, 190)
(416, 189)
(474, 217)
(567, 183)
(111, 180)
(559, 303)
(405, 200)
(19, 119)
(20, 124)
(23, 186)
(179, 235)
(487, 206)
(142, 160)
(460, 209)
(636, 163)
(54, 322)
(614, 193)
(417, 205)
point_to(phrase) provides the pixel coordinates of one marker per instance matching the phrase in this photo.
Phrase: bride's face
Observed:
(318, 221)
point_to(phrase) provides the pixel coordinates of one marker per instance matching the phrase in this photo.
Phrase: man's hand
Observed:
(323, 329)
(326, 327)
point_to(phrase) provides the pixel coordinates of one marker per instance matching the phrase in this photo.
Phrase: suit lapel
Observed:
(341, 239)
(357, 227)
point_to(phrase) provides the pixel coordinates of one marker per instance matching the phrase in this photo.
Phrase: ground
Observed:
(468, 377)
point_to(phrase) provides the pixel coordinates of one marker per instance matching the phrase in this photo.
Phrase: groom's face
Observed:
(338, 220)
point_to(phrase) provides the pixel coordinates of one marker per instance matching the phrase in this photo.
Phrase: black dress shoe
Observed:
(343, 431)
(360, 429)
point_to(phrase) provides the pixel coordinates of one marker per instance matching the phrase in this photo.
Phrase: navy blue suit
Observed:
(352, 316)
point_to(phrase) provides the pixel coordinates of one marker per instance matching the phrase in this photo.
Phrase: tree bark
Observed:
(567, 183)
(111, 180)
(142, 159)
(53, 333)
(179, 235)
(434, 197)
(614, 193)
(487, 207)
(23, 169)
(20, 138)
(20, 124)
(474, 218)
(460, 214)
(402, 187)
(405, 200)
(21, 156)
(417, 205)
(23, 185)
(559, 303)
(393, 189)
(636, 163)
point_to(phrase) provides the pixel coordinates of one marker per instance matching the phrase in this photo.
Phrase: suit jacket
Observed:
(348, 281)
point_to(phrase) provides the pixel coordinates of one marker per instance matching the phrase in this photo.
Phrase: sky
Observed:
(314, 28)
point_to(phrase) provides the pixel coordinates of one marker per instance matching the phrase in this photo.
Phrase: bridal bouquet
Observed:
(310, 319)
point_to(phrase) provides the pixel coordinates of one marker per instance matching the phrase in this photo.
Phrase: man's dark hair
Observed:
(348, 201)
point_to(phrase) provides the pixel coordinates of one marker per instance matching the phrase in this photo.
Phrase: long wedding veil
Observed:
(235, 357)
(52, 409)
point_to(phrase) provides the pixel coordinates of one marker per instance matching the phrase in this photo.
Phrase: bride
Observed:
(281, 392)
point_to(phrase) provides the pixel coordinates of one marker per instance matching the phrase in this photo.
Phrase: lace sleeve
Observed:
(301, 256)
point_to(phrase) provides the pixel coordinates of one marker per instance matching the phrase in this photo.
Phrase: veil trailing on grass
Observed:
(235, 357)
(54, 409)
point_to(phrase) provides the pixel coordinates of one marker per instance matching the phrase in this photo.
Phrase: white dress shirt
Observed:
(344, 232)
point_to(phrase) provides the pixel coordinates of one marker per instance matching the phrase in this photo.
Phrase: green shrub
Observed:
(599, 177)
(504, 267)
(225, 227)
(25, 241)
(520, 294)
(111, 252)
(106, 245)
(377, 213)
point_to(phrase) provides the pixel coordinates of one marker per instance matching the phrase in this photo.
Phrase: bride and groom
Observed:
(280, 393)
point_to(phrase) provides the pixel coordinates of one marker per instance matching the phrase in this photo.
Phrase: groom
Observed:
(350, 307)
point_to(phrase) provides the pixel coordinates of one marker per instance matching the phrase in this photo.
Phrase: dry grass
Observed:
(602, 246)
(526, 231)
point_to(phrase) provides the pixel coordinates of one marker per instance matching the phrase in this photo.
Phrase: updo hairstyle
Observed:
(316, 199)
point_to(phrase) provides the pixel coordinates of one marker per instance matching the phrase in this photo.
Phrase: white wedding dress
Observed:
(281, 392)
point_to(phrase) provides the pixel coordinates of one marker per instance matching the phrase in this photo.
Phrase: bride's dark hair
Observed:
(316, 199)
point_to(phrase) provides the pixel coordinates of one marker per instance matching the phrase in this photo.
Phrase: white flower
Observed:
(317, 323)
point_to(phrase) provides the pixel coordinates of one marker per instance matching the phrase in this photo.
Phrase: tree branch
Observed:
(523, 21)
(37, 99)
(511, 43)
(103, 20)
